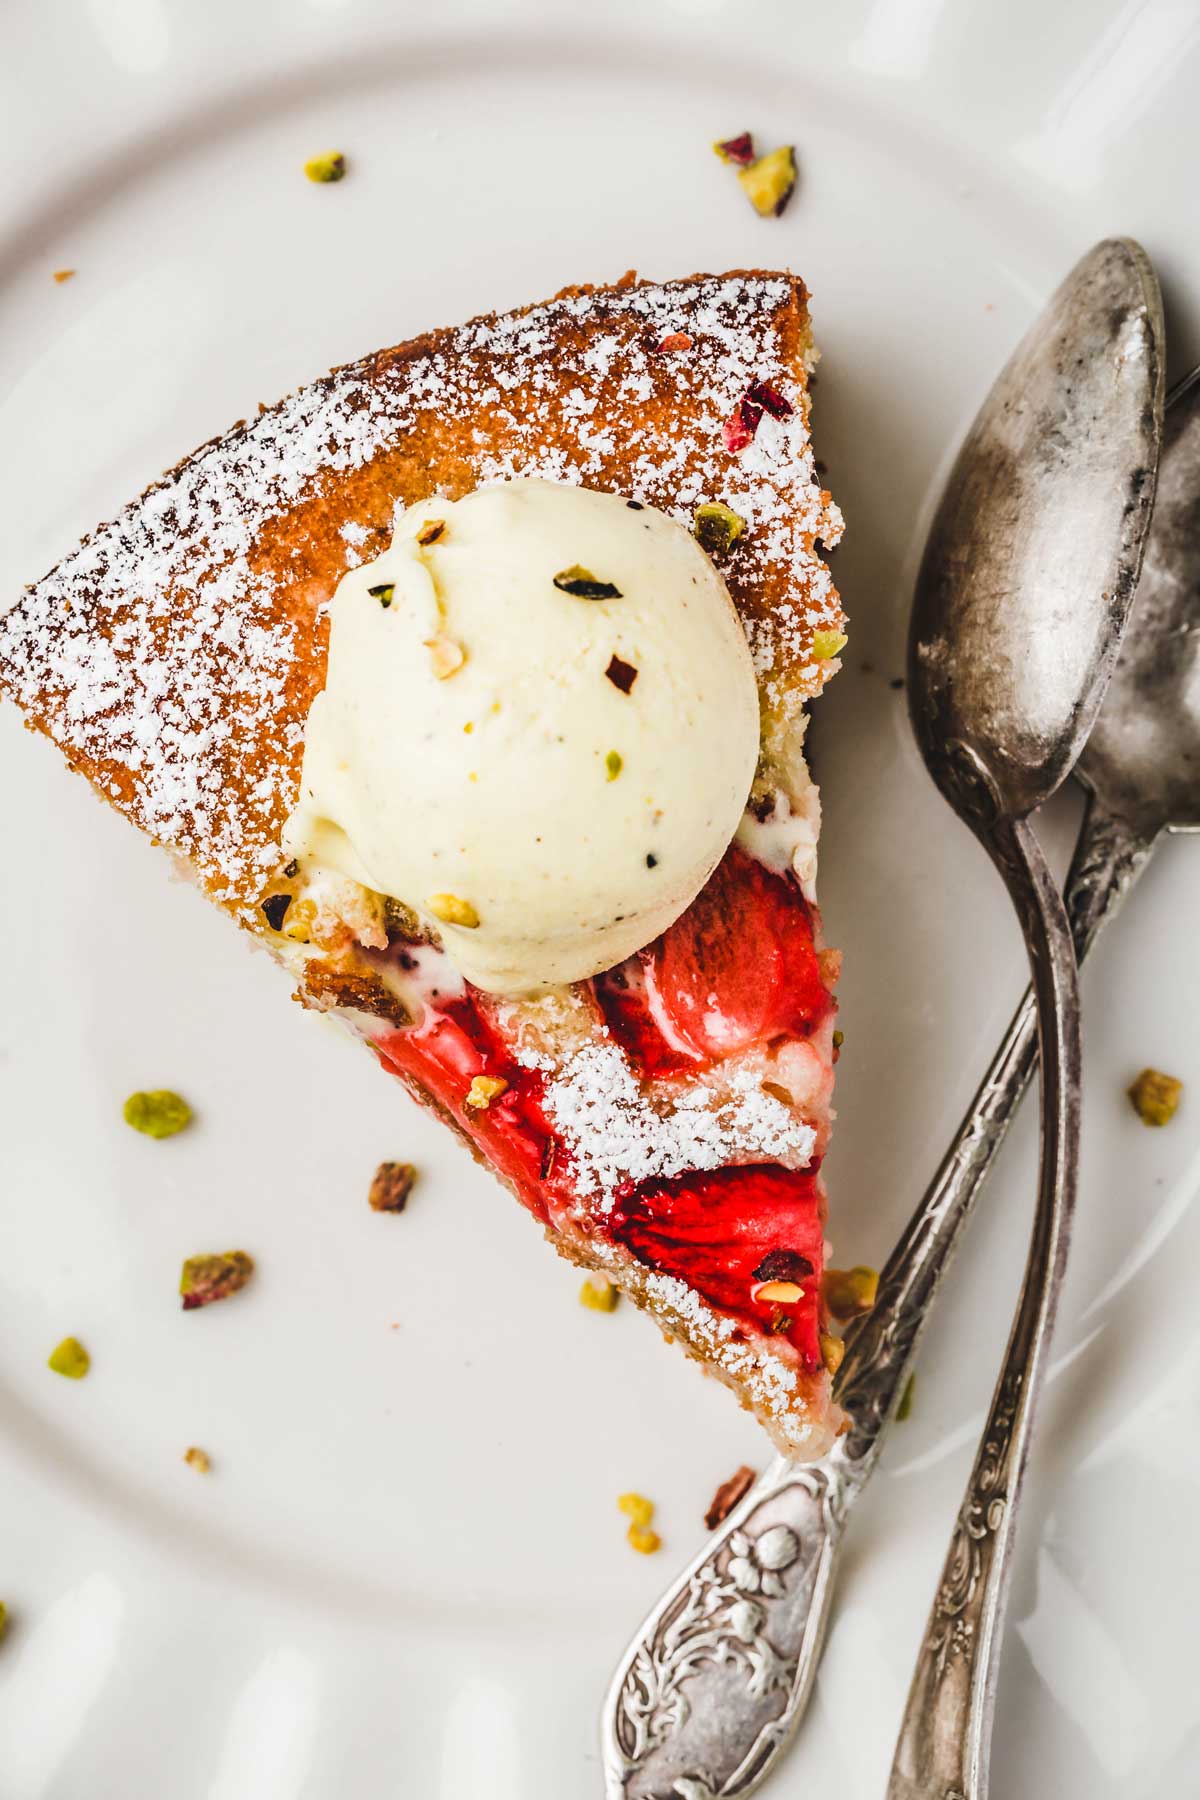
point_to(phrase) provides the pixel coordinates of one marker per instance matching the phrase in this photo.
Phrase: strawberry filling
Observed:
(698, 994)
(455, 1043)
(702, 992)
(716, 1230)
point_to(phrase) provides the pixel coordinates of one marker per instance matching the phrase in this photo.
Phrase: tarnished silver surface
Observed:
(1023, 595)
(729, 1638)
(724, 1742)
(1033, 554)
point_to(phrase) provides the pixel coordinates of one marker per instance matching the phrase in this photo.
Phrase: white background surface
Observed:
(406, 1575)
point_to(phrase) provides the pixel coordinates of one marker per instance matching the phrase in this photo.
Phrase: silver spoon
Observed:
(1017, 620)
(715, 1682)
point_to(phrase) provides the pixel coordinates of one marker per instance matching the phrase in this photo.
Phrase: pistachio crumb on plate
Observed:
(157, 1113)
(329, 166)
(70, 1359)
(205, 1279)
(599, 1296)
(391, 1185)
(636, 1508)
(1155, 1096)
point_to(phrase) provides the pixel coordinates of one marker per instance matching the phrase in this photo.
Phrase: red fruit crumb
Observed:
(741, 425)
(674, 340)
(621, 674)
(771, 400)
(729, 1494)
(738, 150)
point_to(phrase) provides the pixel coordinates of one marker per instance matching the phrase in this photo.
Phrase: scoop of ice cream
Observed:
(538, 730)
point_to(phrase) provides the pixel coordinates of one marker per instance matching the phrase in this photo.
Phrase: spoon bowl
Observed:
(1033, 555)
(1142, 760)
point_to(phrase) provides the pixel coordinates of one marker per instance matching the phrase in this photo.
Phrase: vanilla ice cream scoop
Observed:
(538, 730)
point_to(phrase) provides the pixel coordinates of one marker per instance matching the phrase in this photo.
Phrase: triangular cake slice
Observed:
(666, 1121)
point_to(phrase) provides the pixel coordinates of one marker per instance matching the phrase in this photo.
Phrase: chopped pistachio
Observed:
(431, 531)
(274, 909)
(839, 1038)
(849, 1292)
(779, 1293)
(643, 1540)
(453, 911)
(300, 920)
(205, 1279)
(770, 182)
(716, 527)
(1155, 1096)
(61, 275)
(391, 1185)
(827, 644)
(446, 655)
(483, 1090)
(400, 920)
(70, 1359)
(384, 592)
(904, 1410)
(636, 1507)
(832, 1352)
(329, 166)
(158, 1113)
(3, 1618)
(599, 1296)
(614, 762)
(584, 585)
(197, 1459)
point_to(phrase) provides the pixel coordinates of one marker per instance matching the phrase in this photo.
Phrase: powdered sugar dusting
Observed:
(175, 652)
(757, 1367)
(617, 1132)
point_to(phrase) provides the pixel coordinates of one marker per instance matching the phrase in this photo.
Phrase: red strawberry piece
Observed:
(440, 1058)
(713, 1230)
(626, 1007)
(674, 340)
(738, 968)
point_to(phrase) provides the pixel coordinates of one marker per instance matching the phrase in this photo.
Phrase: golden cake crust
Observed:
(173, 656)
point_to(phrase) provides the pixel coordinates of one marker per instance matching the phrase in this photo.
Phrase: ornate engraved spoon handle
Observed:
(1109, 857)
(682, 1723)
(945, 1736)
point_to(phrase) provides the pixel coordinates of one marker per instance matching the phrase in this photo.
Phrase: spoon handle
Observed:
(881, 1347)
(678, 1709)
(945, 1735)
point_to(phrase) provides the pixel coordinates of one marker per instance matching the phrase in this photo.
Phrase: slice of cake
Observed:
(475, 754)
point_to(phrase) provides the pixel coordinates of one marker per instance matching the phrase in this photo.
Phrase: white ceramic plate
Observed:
(406, 1574)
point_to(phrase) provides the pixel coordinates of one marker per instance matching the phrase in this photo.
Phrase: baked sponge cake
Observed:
(664, 1119)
